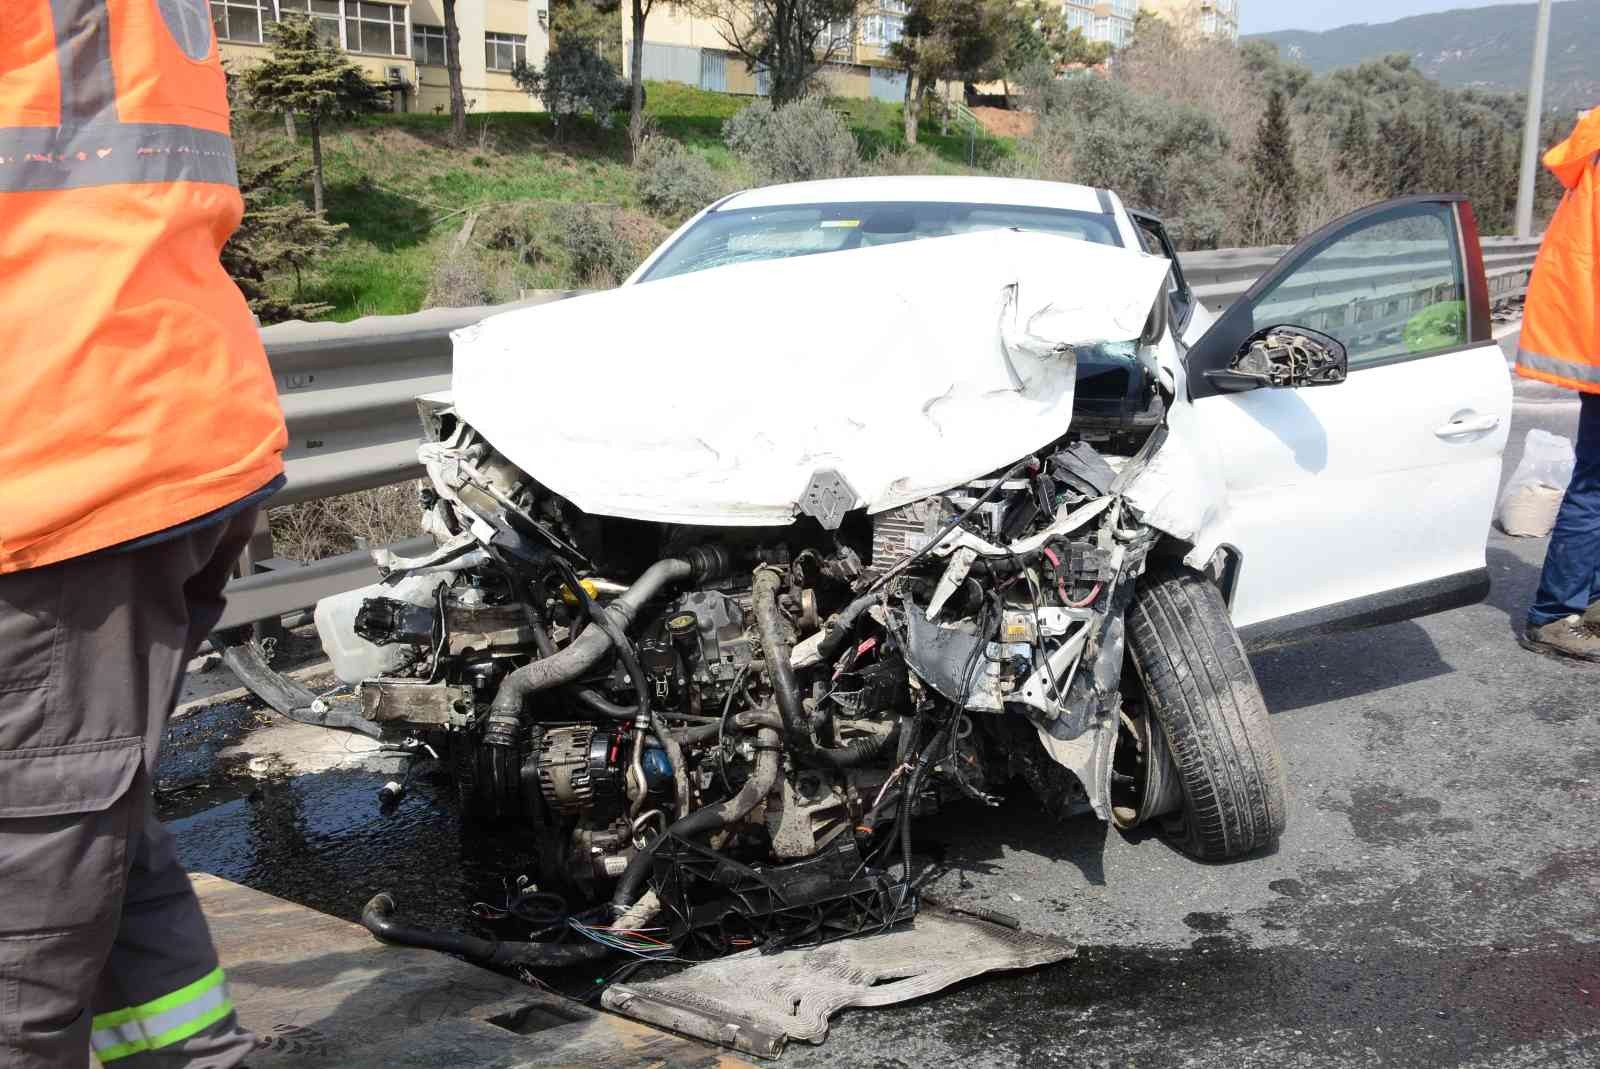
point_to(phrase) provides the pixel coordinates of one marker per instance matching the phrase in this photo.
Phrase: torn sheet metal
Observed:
(1087, 756)
(1181, 490)
(755, 1002)
(716, 397)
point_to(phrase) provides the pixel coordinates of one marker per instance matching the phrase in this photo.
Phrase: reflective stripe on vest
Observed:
(91, 147)
(1565, 369)
(163, 1021)
(41, 158)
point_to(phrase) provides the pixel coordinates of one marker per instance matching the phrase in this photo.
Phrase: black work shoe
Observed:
(1569, 637)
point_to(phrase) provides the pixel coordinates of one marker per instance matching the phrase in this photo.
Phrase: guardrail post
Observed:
(256, 553)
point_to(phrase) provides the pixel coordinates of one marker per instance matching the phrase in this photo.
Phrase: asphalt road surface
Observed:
(1435, 900)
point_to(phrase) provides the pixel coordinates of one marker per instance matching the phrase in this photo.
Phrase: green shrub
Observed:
(674, 182)
(1436, 326)
(576, 80)
(459, 281)
(600, 257)
(797, 142)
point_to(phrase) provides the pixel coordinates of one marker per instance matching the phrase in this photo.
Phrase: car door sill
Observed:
(1390, 606)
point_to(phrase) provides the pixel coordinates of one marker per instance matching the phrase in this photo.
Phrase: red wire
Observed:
(1086, 602)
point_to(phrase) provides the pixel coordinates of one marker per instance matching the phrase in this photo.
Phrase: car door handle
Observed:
(1468, 424)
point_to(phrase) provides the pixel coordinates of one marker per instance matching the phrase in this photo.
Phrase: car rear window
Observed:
(750, 234)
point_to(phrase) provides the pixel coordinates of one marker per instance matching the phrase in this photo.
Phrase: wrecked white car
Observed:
(862, 497)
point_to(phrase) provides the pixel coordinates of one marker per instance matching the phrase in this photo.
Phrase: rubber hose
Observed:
(840, 627)
(908, 797)
(905, 746)
(797, 727)
(378, 918)
(567, 665)
(283, 694)
(753, 718)
(706, 819)
(680, 775)
(592, 700)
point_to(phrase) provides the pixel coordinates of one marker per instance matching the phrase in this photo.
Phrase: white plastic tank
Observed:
(354, 658)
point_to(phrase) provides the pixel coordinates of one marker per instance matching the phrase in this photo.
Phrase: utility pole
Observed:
(1530, 129)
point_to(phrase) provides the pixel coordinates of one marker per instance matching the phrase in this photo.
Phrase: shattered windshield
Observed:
(751, 234)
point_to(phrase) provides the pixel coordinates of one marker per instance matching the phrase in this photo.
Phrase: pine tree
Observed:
(1478, 182)
(1435, 168)
(306, 75)
(1404, 152)
(278, 232)
(1274, 182)
(1355, 144)
(1504, 190)
(1461, 165)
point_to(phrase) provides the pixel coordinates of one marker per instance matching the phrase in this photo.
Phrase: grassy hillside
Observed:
(1486, 47)
(405, 193)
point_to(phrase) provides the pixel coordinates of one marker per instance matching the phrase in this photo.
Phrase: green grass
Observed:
(404, 191)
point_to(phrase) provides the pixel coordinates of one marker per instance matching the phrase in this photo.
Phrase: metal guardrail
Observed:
(348, 392)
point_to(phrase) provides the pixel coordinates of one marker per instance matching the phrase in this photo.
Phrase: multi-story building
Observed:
(1109, 21)
(1213, 18)
(401, 44)
(680, 46)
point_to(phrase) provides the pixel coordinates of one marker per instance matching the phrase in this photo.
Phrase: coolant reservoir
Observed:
(354, 658)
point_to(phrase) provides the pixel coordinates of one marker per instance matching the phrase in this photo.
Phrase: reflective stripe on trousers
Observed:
(163, 1021)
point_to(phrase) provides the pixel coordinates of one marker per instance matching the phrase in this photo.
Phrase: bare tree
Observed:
(641, 11)
(789, 40)
(452, 69)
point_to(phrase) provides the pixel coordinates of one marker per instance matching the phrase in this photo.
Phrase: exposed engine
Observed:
(713, 723)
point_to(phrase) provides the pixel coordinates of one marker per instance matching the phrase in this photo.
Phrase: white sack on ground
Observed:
(1533, 494)
(713, 397)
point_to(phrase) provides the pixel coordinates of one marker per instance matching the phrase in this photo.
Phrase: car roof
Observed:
(956, 189)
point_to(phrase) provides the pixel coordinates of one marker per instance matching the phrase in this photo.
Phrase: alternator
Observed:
(578, 767)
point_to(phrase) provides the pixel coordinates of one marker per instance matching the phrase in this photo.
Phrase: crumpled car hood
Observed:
(714, 397)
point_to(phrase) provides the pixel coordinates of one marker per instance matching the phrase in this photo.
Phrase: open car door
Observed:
(1361, 450)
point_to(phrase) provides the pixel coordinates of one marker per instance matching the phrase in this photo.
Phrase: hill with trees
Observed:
(1481, 47)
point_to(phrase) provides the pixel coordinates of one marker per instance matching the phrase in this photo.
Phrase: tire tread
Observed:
(1203, 693)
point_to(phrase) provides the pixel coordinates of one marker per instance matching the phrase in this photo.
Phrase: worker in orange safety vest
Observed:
(139, 433)
(1560, 344)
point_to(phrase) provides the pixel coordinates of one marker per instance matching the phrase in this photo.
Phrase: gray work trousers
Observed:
(100, 933)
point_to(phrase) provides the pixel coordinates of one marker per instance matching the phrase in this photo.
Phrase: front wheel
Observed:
(1199, 689)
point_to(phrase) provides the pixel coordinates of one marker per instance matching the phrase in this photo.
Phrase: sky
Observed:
(1263, 16)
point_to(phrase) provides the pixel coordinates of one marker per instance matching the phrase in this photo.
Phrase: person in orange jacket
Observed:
(1561, 344)
(141, 432)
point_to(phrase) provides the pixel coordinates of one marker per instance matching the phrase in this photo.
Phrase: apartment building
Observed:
(1213, 18)
(680, 46)
(401, 44)
(1108, 21)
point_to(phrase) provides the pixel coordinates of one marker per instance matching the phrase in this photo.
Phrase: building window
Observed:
(427, 45)
(503, 51)
(835, 37)
(882, 30)
(325, 13)
(376, 28)
(241, 20)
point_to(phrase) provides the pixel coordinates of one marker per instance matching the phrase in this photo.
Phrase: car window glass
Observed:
(746, 235)
(1393, 288)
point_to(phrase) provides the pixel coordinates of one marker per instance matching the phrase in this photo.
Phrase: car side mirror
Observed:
(1284, 356)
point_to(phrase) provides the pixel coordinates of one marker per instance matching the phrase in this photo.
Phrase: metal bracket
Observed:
(827, 498)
